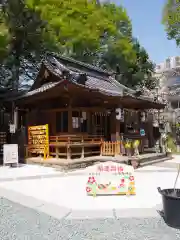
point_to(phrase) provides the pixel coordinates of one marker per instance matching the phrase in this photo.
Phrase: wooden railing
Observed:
(110, 148)
(74, 146)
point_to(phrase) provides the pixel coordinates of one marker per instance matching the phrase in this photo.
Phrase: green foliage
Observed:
(137, 72)
(99, 34)
(23, 41)
(171, 19)
(80, 26)
(4, 37)
(171, 144)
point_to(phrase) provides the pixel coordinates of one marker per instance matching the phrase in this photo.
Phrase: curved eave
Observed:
(141, 103)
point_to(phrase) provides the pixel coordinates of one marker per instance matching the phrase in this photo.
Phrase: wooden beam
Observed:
(91, 109)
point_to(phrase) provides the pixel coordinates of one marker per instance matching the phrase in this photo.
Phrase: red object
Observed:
(120, 169)
(131, 178)
(122, 180)
(88, 189)
(91, 180)
(106, 168)
(113, 168)
(121, 185)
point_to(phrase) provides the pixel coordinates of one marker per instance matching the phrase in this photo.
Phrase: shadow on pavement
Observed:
(161, 213)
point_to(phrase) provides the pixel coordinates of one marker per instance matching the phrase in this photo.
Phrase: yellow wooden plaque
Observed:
(38, 140)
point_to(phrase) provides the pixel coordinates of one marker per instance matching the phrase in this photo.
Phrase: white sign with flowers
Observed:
(111, 179)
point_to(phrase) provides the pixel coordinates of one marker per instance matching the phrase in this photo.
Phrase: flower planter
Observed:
(171, 206)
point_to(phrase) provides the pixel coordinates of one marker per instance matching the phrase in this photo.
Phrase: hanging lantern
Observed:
(118, 113)
(84, 115)
(143, 116)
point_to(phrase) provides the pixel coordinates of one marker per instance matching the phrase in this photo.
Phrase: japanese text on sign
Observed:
(111, 178)
(10, 153)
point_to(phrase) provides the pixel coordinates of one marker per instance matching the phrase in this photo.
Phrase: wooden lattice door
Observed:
(100, 124)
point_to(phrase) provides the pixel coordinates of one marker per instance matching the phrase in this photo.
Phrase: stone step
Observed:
(154, 161)
(154, 157)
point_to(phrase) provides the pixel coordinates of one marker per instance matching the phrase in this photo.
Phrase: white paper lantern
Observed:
(118, 113)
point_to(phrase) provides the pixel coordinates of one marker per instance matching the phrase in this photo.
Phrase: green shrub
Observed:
(170, 143)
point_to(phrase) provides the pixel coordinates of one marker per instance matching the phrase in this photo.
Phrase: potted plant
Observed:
(168, 152)
(171, 204)
(136, 147)
(171, 196)
(127, 146)
(170, 145)
(135, 160)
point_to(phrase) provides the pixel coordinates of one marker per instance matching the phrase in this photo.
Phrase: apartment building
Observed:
(168, 72)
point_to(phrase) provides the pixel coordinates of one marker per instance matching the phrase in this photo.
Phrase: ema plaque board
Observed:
(111, 179)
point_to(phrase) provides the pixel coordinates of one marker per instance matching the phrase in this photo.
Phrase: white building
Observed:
(168, 64)
(168, 74)
(168, 71)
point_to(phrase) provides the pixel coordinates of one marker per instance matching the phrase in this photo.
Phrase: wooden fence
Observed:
(110, 148)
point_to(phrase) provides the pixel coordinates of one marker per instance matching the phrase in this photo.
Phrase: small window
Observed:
(168, 63)
(177, 59)
(158, 67)
(62, 122)
(174, 104)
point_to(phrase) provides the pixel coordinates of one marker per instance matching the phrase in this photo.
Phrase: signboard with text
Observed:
(12, 128)
(38, 140)
(111, 179)
(10, 153)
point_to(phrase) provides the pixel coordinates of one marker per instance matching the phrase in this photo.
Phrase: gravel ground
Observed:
(21, 223)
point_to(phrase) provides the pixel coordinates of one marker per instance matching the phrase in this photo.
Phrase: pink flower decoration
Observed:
(131, 178)
(122, 180)
(88, 189)
(91, 180)
(120, 169)
(121, 185)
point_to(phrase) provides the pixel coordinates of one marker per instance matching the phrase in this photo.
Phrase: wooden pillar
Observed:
(88, 117)
(150, 133)
(15, 118)
(115, 127)
(52, 122)
(70, 117)
(117, 130)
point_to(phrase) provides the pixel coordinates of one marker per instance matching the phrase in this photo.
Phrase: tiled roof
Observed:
(101, 84)
(104, 84)
(78, 63)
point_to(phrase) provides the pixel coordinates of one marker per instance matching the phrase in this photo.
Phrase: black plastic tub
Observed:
(171, 206)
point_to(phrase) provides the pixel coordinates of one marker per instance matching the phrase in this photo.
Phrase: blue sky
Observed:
(147, 27)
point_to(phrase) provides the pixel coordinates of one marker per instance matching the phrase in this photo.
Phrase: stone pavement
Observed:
(20, 223)
(69, 191)
(44, 205)
(26, 172)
